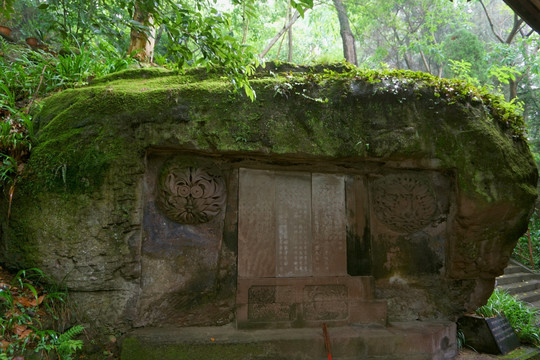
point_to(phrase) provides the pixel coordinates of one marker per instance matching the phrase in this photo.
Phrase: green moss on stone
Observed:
(343, 112)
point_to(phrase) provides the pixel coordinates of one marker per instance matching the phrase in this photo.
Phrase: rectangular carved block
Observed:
(326, 310)
(307, 301)
(293, 224)
(256, 223)
(292, 253)
(329, 225)
(326, 302)
(271, 303)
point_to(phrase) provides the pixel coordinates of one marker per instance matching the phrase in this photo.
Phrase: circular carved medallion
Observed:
(189, 193)
(405, 203)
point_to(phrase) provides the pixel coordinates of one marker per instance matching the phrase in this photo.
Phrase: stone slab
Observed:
(307, 301)
(416, 340)
(291, 224)
(256, 224)
(329, 225)
(179, 258)
(358, 234)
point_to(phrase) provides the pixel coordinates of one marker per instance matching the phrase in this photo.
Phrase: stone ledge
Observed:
(403, 340)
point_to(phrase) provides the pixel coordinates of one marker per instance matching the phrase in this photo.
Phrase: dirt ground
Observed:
(466, 354)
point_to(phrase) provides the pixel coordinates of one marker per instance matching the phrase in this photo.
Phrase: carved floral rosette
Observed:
(404, 202)
(189, 192)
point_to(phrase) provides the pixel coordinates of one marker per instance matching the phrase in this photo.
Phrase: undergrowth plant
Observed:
(29, 306)
(26, 75)
(523, 317)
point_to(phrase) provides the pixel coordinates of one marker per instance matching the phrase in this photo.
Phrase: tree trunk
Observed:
(513, 89)
(142, 42)
(290, 38)
(279, 34)
(349, 47)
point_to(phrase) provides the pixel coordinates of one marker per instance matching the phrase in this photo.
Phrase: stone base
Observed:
(399, 341)
(307, 302)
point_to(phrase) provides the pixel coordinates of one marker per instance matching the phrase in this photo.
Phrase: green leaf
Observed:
(302, 5)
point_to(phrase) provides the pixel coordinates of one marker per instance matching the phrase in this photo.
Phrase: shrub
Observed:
(26, 304)
(523, 318)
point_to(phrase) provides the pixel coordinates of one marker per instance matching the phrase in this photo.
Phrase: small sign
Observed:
(503, 334)
(488, 335)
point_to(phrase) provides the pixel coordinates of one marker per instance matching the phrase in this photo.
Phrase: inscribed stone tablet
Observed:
(256, 224)
(503, 334)
(329, 225)
(293, 224)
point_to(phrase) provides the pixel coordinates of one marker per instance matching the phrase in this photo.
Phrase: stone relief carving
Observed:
(190, 193)
(404, 202)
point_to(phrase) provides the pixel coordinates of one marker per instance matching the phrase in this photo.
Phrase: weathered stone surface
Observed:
(414, 340)
(307, 302)
(436, 191)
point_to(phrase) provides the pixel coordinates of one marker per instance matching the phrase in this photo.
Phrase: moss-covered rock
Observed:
(78, 210)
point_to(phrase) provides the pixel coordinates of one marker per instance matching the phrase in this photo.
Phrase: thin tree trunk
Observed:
(290, 38)
(513, 88)
(349, 47)
(518, 22)
(279, 34)
(245, 23)
(142, 43)
(424, 60)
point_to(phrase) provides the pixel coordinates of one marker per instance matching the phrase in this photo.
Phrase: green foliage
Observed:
(462, 70)
(26, 75)
(521, 316)
(503, 73)
(63, 344)
(521, 251)
(26, 302)
(78, 65)
(6, 8)
(460, 338)
(198, 39)
(463, 46)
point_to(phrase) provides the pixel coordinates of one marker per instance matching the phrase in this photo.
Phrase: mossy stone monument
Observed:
(382, 205)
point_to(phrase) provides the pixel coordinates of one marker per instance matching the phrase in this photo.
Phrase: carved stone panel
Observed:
(293, 224)
(271, 303)
(292, 253)
(329, 225)
(256, 224)
(326, 302)
(183, 256)
(359, 249)
(408, 223)
(190, 193)
(307, 301)
(404, 202)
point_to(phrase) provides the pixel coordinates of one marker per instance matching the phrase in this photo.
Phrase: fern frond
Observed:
(70, 333)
